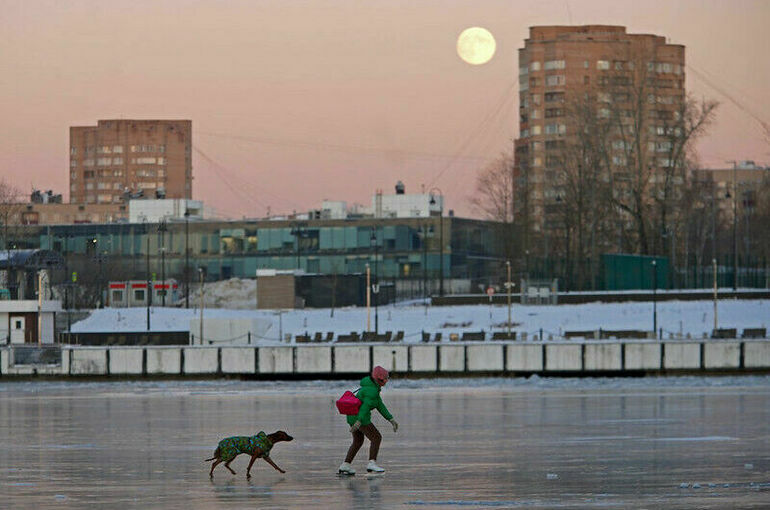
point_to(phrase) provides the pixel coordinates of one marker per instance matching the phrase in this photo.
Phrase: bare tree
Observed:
(493, 196)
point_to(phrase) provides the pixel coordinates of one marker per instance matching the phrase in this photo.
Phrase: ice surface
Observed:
(462, 443)
(674, 317)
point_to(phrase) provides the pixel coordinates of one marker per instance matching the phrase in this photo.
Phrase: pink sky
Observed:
(300, 101)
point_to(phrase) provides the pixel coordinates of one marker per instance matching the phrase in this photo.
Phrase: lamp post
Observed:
(425, 262)
(200, 271)
(149, 278)
(735, 228)
(162, 231)
(376, 283)
(655, 297)
(441, 237)
(508, 284)
(186, 258)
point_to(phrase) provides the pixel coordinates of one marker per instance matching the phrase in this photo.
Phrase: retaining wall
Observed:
(457, 358)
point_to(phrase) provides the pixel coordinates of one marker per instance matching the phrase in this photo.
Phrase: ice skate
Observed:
(372, 467)
(346, 469)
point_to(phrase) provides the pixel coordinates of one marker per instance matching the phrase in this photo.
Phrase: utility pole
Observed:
(186, 258)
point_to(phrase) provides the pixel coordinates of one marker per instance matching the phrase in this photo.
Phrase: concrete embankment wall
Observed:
(457, 358)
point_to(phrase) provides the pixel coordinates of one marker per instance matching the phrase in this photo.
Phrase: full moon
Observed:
(476, 46)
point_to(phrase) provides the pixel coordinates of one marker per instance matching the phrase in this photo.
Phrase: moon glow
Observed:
(476, 46)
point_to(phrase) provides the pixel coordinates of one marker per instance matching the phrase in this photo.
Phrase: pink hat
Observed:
(380, 375)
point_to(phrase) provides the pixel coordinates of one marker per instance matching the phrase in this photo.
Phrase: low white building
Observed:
(155, 210)
(19, 322)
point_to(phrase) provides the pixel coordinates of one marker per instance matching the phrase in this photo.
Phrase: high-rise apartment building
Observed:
(120, 158)
(595, 103)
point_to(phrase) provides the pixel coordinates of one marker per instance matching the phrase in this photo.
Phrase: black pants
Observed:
(374, 436)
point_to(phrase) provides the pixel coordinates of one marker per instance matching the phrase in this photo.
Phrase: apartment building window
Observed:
(536, 130)
(105, 173)
(536, 99)
(88, 162)
(534, 82)
(90, 199)
(534, 66)
(554, 97)
(73, 176)
(144, 172)
(104, 149)
(117, 173)
(117, 161)
(621, 98)
(73, 187)
(554, 80)
(604, 97)
(161, 161)
(537, 146)
(90, 149)
(537, 161)
(143, 161)
(585, 64)
(535, 114)
(618, 144)
(603, 65)
(552, 161)
(553, 112)
(104, 199)
(88, 174)
(117, 149)
(554, 64)
(89, 185)
(523, 70)
(664, 146)
(73, 151)
(116, 185)
(162, 148)
(73, 163)
(551, 129)
(103, 161)
(525, 133)
(603, 113)
(146, 185)
(619, 160)
(553, 145)
(103, 185)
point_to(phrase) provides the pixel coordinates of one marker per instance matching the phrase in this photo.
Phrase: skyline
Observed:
(296, 102)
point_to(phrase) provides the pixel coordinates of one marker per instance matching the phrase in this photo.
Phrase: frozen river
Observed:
(476, 443)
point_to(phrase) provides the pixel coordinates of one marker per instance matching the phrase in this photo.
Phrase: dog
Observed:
(255, 446)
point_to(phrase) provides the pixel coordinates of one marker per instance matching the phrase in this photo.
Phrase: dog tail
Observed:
(216, 455)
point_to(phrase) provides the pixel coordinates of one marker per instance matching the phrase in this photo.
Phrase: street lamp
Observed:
(508, 284)
(655, 297)
(162, 231)
(186, 258)
(148, 295)
(735, 228)
(376, 283)
(441, 237)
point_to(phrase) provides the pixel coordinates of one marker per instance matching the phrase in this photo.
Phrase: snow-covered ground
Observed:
(694, 318)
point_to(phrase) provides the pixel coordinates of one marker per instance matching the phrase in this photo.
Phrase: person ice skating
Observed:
(361, 424)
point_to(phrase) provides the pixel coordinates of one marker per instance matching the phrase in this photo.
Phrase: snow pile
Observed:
(675, 318)
(233, 294)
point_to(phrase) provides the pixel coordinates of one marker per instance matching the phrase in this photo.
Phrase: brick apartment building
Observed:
(130, 157)
(613, 73)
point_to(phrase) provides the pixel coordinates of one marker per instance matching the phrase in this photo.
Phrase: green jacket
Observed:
(369, 394)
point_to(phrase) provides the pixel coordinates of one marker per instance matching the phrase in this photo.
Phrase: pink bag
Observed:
(348, 404)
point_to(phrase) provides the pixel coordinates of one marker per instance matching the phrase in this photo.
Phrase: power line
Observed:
(505, 97)
(765, 125)
(330, 146)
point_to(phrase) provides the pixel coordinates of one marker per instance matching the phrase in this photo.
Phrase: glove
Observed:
(355, 426)
(395, 425)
